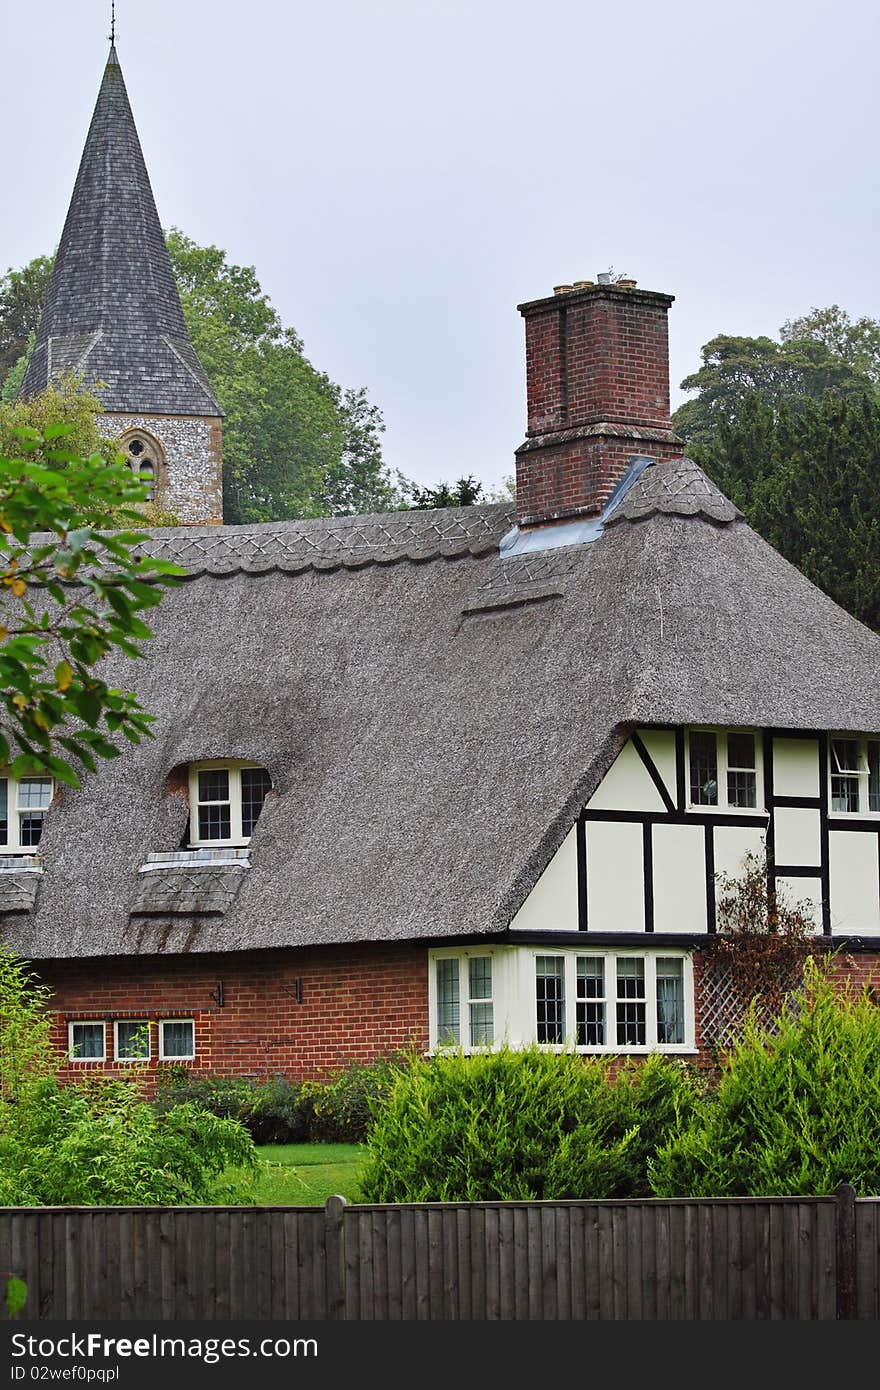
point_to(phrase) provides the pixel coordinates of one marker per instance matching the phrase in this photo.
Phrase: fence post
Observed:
(846, 1253)
(334, 1250)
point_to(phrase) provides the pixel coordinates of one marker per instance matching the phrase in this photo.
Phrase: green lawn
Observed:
(305, 1175)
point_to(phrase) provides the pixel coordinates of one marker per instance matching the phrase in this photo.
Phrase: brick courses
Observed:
(597, 386)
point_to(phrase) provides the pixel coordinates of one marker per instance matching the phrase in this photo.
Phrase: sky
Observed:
(402, 174)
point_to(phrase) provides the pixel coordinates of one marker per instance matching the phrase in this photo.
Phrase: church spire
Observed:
(113, 312)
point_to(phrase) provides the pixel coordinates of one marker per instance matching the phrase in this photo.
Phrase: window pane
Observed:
(214, 784)
(447, 1002)
(480, 977)
(550, 999)
(88, 1040)
(4, 811)
(34, 793)
(255, 782)
(874, 776)
(741, 750)
(177, 1039)
(133, 1039)
(703, 769)
(844, 793)
(742, 788)
(670, 1001)
(845, 755)
(214, 823)
(482, 1025)
(590, 1002)
(631, 1014)
(31, 828)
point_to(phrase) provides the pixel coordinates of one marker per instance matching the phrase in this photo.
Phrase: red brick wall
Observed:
(593, 356)
(356, 1005)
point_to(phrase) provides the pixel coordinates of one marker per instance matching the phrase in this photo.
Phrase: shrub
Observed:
(99, 1142)
(797, 1108)
(345, 1107)
(478, 1128)
(636, 1111)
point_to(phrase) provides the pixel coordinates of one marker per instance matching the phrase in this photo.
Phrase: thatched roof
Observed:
(433, 715)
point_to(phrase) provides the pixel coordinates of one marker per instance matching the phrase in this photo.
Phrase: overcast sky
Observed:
(403, 174)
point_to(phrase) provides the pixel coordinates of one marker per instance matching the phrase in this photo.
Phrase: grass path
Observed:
(305, 1175)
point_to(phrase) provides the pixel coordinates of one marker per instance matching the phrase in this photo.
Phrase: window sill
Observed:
(226, 857)
(20, 862)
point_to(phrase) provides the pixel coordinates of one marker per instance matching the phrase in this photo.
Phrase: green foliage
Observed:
(98, 1141)
(797, 1107)
(463, 493)
(478, 1128)
(632, 1114)
(820, 353)
(276, 1110)
(66, 402)
(807, 482)
(16, 1295)
(74, 591)
(294, 442)
(22, 295)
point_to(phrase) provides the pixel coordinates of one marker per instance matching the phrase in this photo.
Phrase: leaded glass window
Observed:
(550, 999)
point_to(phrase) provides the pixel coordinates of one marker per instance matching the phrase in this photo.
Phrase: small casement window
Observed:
(177, 1039)
(23, 805)
(131, 1040)
(723, 768)
(855, 775)
(225, 802)
(468, 980)
(622, 1002)
(142, 456)
(86, 1042)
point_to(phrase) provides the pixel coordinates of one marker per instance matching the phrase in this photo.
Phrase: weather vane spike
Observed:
(113, 21)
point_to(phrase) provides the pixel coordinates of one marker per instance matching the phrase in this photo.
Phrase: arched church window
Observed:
(142, 454)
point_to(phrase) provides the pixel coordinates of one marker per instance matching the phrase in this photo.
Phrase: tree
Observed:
(294, 442)
(22, 295)
(463, 493)
(807, 481)
(72, 590)
(793, 372)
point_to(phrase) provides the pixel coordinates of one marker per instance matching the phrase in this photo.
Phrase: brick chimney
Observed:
(597, 380)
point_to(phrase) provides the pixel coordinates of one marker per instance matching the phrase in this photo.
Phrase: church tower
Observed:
(113, 314)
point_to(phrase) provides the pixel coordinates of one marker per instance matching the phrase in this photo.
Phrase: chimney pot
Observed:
(562, 289)
(604, 277)
(583, 284)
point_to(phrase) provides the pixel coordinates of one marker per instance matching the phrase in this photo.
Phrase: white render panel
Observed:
(796, 767)
(679, 878)
(853, 868)
(798, 837)
(553, 902)
(615, 877)
(805, 893)
(733, 843)
(626, 786)
(660, 743)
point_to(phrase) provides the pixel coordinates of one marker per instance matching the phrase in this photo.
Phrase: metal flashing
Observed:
(578, 532)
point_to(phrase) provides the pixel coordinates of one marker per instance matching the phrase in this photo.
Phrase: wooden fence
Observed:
(747, 1259)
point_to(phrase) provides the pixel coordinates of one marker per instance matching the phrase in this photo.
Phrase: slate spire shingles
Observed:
(113, 311)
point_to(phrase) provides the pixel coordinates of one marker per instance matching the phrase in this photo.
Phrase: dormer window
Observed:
(225, 802)
(23, 805)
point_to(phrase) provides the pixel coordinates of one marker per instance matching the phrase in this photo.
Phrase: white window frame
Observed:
(86, 1023)
(861, 772)
(234, 769)
(722, 805)
(143, 1023)
(176, 1056)
(464, 957)
(15, 811)
(610, 956)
